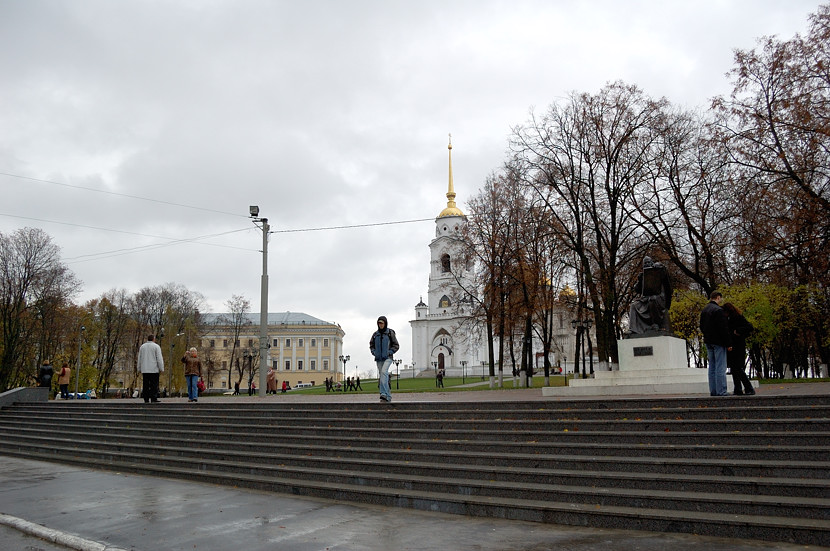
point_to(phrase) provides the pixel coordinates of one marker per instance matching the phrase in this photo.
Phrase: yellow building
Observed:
(303, 349)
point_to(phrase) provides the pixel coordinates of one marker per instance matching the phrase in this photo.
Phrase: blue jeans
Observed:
(192, 389)
(383, 378)
(717, 369)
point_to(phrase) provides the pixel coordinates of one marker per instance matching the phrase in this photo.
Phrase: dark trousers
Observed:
(740, 379)
(151, 387)
(65, 392)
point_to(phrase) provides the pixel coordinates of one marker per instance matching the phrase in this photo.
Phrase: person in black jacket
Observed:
(736, 358)
(714, 325)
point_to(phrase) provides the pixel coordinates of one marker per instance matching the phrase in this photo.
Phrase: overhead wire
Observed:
(172, 241)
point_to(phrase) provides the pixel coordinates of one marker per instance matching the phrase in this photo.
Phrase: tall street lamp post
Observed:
(463, 370)
(78, 374)
(172, 363)
(264, 345)
(397, 374)
(345, 360)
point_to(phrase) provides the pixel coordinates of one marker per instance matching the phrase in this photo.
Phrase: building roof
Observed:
(274, 318)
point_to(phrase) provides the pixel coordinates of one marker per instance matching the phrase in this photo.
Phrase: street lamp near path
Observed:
(345, 360)
(78, 374)
(397, 374)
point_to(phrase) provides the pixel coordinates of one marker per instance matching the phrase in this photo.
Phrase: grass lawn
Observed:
(427, 384)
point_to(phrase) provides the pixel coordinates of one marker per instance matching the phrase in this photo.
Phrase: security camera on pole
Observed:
(264, 345)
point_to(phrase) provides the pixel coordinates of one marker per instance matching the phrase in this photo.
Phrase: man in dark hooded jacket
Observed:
(714, 324)
(383, 345)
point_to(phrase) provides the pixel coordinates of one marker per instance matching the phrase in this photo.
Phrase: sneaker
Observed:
(750, 393)
(383, 399)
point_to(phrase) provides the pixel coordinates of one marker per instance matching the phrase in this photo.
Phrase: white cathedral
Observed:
(444, 337)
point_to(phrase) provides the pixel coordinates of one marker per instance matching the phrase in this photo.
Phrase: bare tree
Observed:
(34, 285)
(237, 319)
(584, 160)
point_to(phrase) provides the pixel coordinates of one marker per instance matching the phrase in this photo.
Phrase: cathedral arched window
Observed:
(445, 263)
(444, 302)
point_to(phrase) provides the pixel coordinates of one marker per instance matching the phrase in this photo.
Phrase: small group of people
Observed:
(351, 384)
(151, 365)
(725, 331)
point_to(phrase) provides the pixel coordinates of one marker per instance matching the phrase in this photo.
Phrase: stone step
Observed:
(467, 408)
(777, 462)
(433, 426)
(660, 444)
(345, 435)
(802, 530)
(805, 480)
(735, 467)
(538, 489)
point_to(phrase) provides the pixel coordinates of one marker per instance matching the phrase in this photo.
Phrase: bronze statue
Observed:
(649, 313)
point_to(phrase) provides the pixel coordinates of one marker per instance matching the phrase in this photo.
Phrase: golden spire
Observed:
(451, 209)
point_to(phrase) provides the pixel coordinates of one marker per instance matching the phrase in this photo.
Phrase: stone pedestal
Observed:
(649, 365)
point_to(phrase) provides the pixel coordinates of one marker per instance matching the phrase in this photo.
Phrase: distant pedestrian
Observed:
(151, 366)
(383, 346)
(271, 381)
(439, 379)
(357, 383)
(328, 384)
(64, 378)
(285, 386)
(714, 325)
(235, 389)
(740, 328)
(192, 374)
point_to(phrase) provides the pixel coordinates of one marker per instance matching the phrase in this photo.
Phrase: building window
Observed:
(325, 343)
(325, 365)
(224, 343)
(445, 263)
(236, 343)
(313, 365)
(212, 343)
(288, 365)
(444, 302)
(276, 343)
(288, 343)
(250, 343)
(224, 364)
(300, 343)
(299, 365)
(313, 343)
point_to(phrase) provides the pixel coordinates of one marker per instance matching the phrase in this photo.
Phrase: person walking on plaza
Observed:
(63, 380)
(740, 329)
(192, 373)
(151, 365)
(383, 346)
(357, 384)
(271, 381)
(714, 325)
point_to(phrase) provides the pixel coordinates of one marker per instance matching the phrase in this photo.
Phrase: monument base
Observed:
(650, 365)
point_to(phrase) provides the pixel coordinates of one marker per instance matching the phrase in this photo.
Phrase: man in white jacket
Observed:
(151, 364)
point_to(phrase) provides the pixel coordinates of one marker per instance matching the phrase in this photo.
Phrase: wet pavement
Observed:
(101, 510)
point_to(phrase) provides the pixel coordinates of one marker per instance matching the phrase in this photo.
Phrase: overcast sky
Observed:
(160, 121)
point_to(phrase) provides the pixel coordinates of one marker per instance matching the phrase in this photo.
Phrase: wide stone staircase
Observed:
(754, 467)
